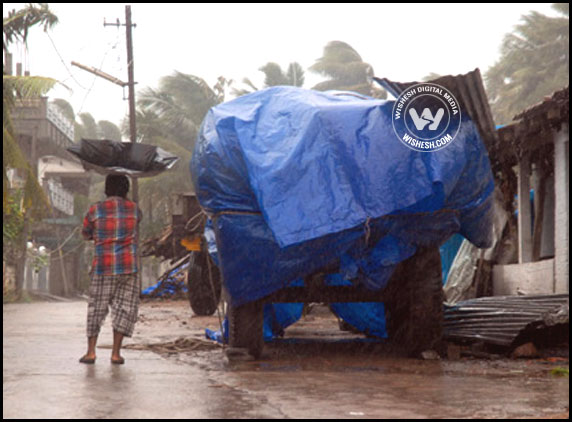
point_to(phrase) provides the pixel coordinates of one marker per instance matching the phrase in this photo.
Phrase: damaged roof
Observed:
(535, 126)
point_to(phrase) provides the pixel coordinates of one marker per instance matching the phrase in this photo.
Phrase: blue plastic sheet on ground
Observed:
(296, 179)
(169, 285)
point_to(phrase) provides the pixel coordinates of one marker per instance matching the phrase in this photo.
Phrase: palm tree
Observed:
(345, 70)
(275, 76)
(34, 203)
(170, 116)
(16, 25)
(87, 127)
(534, 62)
(15, 28)
(108, 130)
(180, 104)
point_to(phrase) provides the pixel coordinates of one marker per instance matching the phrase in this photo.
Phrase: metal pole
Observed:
(132, 121)
(131, 84)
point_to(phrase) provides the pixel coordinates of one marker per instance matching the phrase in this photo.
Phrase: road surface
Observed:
(171, 371)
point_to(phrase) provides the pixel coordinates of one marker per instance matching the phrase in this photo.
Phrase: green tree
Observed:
(170, 117)
(87, 127)
(15, 28)
(345, 70)
(16, 25)
(275, 76)
(179, 105)
(108, 130)
(534, 62)
(34, 203)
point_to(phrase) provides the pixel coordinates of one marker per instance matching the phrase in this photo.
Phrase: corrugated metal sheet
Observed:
(469, 91)
(500, 319)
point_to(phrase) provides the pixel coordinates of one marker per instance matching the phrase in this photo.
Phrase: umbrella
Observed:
(111, 157)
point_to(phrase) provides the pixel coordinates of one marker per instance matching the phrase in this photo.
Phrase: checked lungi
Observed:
(121, 292)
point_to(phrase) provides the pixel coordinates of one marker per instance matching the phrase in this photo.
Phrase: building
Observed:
(534, 153)
(43, 135)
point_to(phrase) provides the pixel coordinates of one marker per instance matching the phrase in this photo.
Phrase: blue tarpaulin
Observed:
(448, 251)
(168, 285)
(295, 179)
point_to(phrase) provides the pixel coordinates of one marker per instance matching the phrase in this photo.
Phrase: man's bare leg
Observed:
(115, 353)
(89, 357)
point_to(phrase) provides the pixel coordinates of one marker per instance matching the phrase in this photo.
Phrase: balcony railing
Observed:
(38, 109)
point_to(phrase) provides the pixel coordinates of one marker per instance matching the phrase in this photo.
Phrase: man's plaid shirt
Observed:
(112, 225)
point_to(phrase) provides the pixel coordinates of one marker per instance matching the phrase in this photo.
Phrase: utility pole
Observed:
(132, 122)
(131, 85)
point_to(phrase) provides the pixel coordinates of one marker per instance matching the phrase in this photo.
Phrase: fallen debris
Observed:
(171, 284)
(180, 345)
(527, 350)
(430, 355)
(508, 321)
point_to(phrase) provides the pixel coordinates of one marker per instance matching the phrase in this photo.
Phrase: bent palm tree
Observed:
(180, 104)
(344, 67)
(534, 62)
(274, 76)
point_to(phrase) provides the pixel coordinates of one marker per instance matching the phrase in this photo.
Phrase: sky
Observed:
(402, 42)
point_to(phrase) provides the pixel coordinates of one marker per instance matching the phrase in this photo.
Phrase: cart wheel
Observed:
(202, 298)
(415, 303)
(245, 327)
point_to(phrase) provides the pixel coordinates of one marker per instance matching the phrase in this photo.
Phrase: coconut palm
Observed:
(345, 70)
(16, 25)
(534, 62)
(15, 28)
(274, 76)
(87, 127)
(170, 116)
(34, 203)
(180, 103)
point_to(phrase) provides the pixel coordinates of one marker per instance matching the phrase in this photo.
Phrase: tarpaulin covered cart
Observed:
(313, 199)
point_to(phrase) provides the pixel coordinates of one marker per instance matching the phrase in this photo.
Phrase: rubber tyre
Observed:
(415, 303)
(245, 325)
(202, 298)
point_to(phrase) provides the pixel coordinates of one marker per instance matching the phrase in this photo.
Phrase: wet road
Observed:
(319, 379)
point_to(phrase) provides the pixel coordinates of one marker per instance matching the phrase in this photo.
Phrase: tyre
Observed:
(415, 303)
(245, 324)
(203, 296)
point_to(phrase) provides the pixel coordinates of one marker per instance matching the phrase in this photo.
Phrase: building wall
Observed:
(531, 278)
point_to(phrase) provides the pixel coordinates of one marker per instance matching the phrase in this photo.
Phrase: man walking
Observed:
(112, 225)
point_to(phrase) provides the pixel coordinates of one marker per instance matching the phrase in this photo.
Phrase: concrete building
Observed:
(536, 149)
(43, 134)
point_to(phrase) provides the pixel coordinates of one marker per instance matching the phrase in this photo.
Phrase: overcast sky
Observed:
(402, 42)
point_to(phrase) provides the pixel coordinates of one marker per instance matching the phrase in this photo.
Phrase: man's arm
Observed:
(87, 230)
